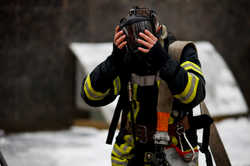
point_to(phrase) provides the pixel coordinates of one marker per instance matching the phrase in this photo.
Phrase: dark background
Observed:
(37, 68)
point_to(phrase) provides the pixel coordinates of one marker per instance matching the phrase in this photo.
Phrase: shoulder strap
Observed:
(114, 121)
(175, 49)
(204, 122)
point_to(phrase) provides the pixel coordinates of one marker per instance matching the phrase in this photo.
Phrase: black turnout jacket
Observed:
(184, 78)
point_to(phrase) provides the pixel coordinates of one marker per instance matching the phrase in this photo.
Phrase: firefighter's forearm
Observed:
(185, 80)
(102, 85)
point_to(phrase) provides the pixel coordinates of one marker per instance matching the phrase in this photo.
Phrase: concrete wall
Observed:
(37, 74)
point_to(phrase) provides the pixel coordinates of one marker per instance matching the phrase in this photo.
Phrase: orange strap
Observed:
(162, 121)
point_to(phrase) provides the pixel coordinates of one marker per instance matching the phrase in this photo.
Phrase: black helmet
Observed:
(137, 21)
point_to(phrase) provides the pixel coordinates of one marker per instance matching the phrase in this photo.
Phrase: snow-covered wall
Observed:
(223, 95)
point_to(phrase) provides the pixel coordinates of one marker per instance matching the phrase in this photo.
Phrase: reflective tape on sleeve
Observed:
(122, 150)
(191, 66)
(190, 90)
(121, 153)
(117, 85)
(91, 93)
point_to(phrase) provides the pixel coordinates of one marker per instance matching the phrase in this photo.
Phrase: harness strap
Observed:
(204, 122)
(114, 121)
(204, 146)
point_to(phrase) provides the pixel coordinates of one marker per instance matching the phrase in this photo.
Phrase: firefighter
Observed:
(159, 81)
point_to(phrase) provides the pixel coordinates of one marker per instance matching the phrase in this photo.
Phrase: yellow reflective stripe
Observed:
(190, 90)
(117, 85)
(115, 151)
(189, 150)
(135, 108)
(158, 83)
(136, 104)
(192, 66)
(174, 140)
(118, 161)
(122, 150)
(186, 90)
(129, 139)
(121, 153)
(171, 120)
(91, 93)
(135, 88)
(194, 90)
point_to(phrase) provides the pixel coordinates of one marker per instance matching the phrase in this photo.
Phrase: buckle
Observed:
(142, 133)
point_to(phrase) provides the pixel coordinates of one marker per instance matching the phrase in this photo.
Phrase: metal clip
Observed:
(161, 138)
(143, 132)
(131, 12)
(180, 129)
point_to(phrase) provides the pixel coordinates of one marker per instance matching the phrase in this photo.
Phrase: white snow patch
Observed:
(86, 146)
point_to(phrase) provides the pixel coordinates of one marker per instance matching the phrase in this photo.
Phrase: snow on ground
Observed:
(236, 137)
(86, 146)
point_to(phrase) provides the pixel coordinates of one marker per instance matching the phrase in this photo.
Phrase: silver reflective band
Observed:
(190, 92)
(144, 80)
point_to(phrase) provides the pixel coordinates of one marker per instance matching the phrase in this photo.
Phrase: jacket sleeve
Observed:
(102, 85)
(185, 78)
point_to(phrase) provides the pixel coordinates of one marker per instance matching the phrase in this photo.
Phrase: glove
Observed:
(149, 63)
(157, 57)
(140, 63)
(120, 59)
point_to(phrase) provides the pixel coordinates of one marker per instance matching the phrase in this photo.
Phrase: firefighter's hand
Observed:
(155, 55)
(119, 38)
(119, 51)
(149, 41)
